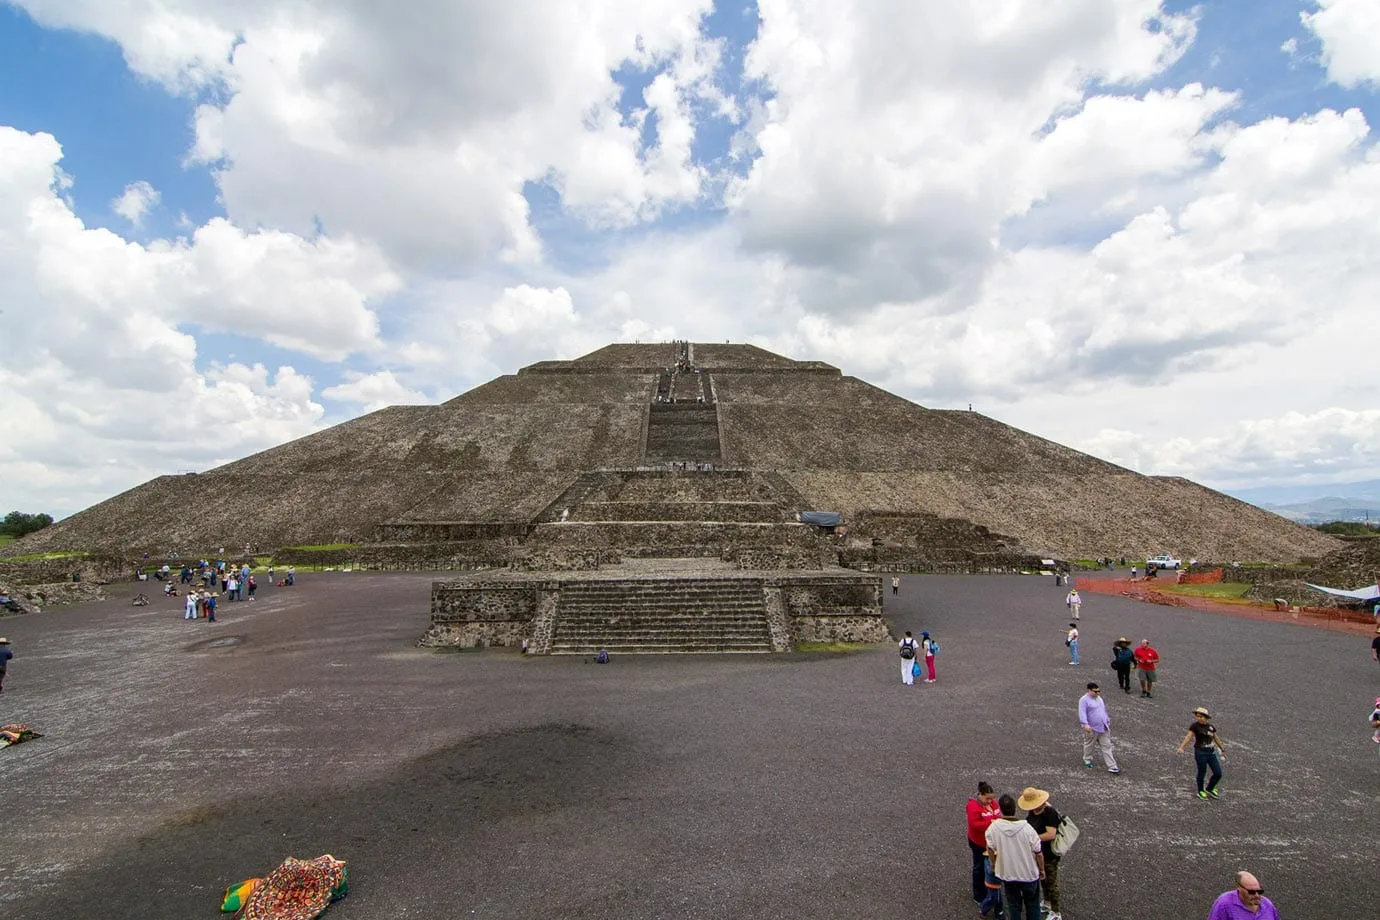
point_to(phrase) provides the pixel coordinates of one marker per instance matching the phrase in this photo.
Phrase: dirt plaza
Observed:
(179, 757)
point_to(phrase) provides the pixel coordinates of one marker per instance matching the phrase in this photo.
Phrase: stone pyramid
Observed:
(677, 448)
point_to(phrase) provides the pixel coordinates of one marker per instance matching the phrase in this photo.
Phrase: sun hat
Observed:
(1123, 640)
(1201, 711)
(4, 641)
(1032, 798)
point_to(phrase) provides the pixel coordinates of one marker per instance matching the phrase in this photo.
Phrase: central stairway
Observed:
(662, 616)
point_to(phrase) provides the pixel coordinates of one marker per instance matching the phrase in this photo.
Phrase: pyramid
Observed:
(673, 449)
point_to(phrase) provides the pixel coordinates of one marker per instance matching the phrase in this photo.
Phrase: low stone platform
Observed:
(657, 606)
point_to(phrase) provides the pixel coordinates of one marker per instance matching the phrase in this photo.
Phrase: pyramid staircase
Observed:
(662, 616)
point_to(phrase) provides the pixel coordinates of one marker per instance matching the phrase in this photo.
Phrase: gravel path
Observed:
(180, 757)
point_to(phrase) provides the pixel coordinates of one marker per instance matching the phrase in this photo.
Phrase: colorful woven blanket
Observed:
(15, 732)
(299, 889)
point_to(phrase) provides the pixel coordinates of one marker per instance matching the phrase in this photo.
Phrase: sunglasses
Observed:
(1251, 890)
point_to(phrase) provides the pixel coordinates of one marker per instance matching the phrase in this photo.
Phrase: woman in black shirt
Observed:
(1206, 745)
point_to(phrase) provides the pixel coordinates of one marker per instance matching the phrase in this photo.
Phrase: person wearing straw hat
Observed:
(1206, 746)
(1122, 661)
(5, 655)
(1045, 819)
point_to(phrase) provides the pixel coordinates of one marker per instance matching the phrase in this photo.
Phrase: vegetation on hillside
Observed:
(1349, 529)
(16, 524)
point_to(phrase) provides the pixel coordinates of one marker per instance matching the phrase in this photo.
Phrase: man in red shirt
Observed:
(1146, 658)
(982, 811)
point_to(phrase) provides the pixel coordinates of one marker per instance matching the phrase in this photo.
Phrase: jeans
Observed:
(1022, 900)
(1206, 759)
(991, 903)
(979, 888)
(1073, 650)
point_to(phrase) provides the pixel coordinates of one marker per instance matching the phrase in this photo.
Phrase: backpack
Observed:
(934, 647)
(1064, 837)
(603, 656)
(908, 649)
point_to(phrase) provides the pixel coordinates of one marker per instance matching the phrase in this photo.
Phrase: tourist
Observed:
(1045, 819)
(1122, 661)
(1074, 602)
(291, 578)
(1206, 746)
(1246, 901)
(896, 584)
(1097, 728)
(1375, 646)
(931, 649)
(189, 608)
(1071, 640)
(908, 663)
(991, 886)
(982, 811)
(211, 608)
(253, 586)
(1146, 659)
(1374, 721)
(6, 653)
(1017, 861)
(232, 588)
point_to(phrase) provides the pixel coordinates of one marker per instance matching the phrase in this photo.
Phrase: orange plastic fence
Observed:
(1147, 590)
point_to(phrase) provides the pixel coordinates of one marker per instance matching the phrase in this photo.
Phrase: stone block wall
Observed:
(471, 614)
(843, 610)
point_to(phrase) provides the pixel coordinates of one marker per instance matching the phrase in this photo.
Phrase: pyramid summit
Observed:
(680, 449)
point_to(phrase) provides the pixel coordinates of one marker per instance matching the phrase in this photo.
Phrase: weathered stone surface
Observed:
(515, 454)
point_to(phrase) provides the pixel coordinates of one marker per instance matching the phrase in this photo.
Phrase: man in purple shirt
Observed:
(1097, 728)
(1246, 901)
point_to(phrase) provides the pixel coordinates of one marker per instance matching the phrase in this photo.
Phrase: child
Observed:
(1375, 721)
(993, 900)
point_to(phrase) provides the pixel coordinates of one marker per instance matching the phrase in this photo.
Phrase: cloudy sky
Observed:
(1149, 230)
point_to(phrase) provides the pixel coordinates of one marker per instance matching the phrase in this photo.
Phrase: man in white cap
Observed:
(1246, 901)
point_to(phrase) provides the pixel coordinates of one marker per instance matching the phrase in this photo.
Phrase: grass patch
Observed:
(1227, 590)
(43, 557)
(319, 547)
(6, 538)
(833, 647)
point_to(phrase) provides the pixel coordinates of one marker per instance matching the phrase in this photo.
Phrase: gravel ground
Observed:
(180, 757)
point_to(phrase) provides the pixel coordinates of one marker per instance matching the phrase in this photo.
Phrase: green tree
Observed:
(1348, 528)
(17, 523)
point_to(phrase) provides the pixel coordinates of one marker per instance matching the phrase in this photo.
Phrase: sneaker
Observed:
(1053, 915)
(1214, 793)
(1114, 770)
(1202, 794)
(1088, 764)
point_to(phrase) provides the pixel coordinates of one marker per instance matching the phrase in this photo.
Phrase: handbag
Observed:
(1065, 837)
(915, 669)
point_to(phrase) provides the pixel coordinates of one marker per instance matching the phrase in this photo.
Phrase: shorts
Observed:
(1147, 676)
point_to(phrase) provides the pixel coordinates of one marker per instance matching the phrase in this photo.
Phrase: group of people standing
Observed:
(1016, 860)
(912, 652)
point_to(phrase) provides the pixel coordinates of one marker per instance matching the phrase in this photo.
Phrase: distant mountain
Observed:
(1364, 494)
(1328, 508)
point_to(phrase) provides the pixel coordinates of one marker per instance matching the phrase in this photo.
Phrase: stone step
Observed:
(761, 648)
(600, 604)
(585, 627)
